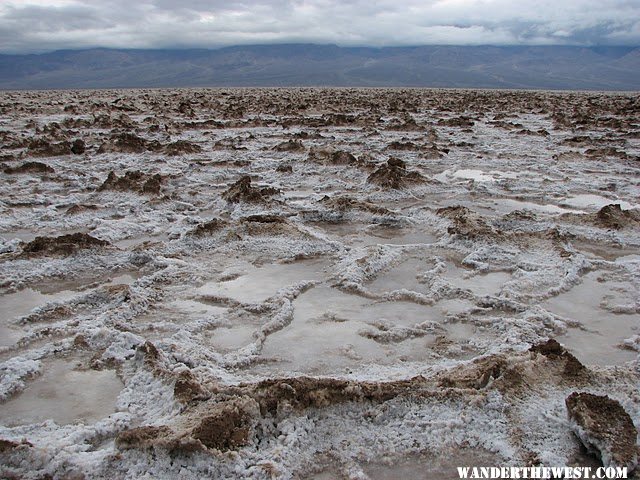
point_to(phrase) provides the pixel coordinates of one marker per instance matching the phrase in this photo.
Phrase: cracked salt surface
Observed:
(337, 325)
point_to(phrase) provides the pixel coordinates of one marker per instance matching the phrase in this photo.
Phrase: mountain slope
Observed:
(610, 68)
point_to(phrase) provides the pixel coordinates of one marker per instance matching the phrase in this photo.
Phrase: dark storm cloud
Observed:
(39, 25)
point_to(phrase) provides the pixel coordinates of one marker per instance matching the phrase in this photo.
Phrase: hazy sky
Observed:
(44, 25)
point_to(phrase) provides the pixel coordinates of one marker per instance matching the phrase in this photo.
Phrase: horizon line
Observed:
(284, 44)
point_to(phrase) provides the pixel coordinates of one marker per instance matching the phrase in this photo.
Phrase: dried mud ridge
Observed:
(226, 418)
(134, 181)
(293, 282)
(244, 191)
(62, 245)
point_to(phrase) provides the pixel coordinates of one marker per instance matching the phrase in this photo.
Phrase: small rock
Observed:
(78, 147)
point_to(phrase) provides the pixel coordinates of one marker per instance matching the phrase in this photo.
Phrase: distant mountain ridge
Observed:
(538, 67)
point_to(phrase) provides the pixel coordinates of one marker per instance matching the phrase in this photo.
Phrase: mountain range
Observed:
(526, 67)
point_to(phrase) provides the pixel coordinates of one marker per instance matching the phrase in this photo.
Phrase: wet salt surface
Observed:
(256, 284)
(66, 287)
(604, 331)
(356, 234)
(21, 303)
(507, 205)
(477, 175)
(64, 395)
(596, 202)
(22, 235)
(408, 275)
(443, 465)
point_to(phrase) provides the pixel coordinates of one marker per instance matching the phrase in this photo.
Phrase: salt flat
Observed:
(289, 283)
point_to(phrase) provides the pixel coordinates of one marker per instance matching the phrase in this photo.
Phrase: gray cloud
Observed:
(44, 25)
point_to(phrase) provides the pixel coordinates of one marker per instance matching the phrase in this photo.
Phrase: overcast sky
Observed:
(45, 25)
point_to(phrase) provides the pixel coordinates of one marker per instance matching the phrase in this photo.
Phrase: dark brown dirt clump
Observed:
(78, 147)
(289, 146)
(134, 181)
(464, 222)
(125, 143)
(554, 351)
(80, 208)
(284, 168)
(612, 216)
(221, 425)
(403, 146)
(187, 388)
(30, 167)
(243, 191)
(602, 424)
(228, 426)
(394, 174)
(141, 437)
(262, 218)
(346, 203)
(207, 228)
(332, 157)
(181, 147)
(461, 122)
(44, 148)
(9, 445)
(62, 245)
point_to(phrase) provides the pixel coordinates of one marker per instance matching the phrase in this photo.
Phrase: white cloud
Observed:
(42, 25)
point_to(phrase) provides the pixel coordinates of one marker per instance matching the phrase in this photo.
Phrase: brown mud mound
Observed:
(264, 225)
(346, 203)
(603, 425)
(612, 216)
(224, 425)
(187, 388)
(81, 208)
(462, 122)
(44, 148)
(332, 157)
(227, 425)
(284, 168)
(142, 437)
(403, 146)
(554, 351)
(208, 228)
(394, 174)
(30, 167)
(181, 147)
(134, 181)
(406, 124)
(289, 146)
(464, 222)
(62, 245)
(126, 143)
(243, 191)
